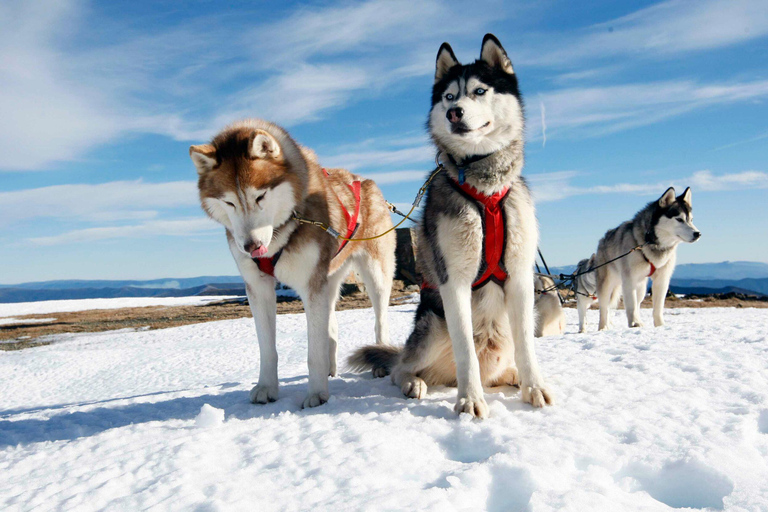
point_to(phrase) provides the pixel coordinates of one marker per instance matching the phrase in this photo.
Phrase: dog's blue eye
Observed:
(479, 91)
(449, 97)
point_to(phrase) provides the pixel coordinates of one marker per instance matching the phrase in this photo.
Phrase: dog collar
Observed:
(462, 165)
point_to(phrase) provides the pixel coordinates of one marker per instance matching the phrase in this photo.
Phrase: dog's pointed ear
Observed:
(204, 157)
(264, 145)
(445, 61)
(667, 198)
(493, 54)
(686, 198)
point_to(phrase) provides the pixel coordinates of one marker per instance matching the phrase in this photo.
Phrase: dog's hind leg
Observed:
(582, 304)
(607, 292)
(377, 274)
(427, 356)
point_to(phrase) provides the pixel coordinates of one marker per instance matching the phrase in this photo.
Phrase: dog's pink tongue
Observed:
(258, 253)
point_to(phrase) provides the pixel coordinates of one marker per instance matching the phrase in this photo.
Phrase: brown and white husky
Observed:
(252, 178)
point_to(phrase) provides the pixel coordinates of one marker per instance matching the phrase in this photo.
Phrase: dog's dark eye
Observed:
(258, 199)
(479, 91)
(449, 97)
(679, 219)
(230, 204)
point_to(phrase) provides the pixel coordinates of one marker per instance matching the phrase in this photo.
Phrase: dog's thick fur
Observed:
(550, 317)
(659, 228)
(464, 337)
(252, 177)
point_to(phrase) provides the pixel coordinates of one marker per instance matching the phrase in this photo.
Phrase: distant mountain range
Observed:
(86, 289)
(701, 278)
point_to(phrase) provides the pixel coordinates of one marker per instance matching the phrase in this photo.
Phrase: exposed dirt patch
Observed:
(23, 334)
(29, 334)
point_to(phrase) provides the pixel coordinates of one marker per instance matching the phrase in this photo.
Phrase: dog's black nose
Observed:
(454, 114)
(696, 235)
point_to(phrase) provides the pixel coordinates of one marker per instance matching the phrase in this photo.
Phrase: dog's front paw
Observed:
(537, 396)
(658, 322)
(315, 399)
(582, 330)
(636, 323)
(262, 394)
(475, 407)
(333, 372)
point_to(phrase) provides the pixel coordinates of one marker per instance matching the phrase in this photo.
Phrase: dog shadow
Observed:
(353, 393)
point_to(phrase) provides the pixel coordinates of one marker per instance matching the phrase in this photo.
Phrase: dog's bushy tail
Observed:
(374, 357)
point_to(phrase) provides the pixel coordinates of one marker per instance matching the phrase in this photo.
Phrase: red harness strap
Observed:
(267, 265)
(494, 234)
(352, 223)
(653, 267)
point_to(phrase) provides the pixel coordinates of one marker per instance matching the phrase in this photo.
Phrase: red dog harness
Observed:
(494, 233)
(267, 265)
(653, 267)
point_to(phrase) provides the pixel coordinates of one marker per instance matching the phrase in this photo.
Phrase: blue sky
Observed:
(99, 103)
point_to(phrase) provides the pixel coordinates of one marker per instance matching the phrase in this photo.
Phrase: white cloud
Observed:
(556, 186)
(63, 95)
(599, 110)
(705, 180)
(378, 158)
(391, 177)
(664, 29)
(116, 200)
(180, 227)
(299, 95)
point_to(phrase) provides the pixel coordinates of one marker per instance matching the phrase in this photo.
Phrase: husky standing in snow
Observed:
(585, 289)
(658, 228)
(476, 245)
(550, 317)
(254, 179)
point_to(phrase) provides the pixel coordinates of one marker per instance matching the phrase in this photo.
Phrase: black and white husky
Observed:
(476, 245)
(658, 228)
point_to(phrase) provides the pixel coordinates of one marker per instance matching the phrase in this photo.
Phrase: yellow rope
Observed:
(407, 216)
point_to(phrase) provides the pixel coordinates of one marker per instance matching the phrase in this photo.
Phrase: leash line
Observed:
(391, 207)
(571, 278)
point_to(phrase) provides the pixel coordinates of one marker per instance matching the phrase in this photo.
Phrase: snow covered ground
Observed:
(67, 306)
(646, 419)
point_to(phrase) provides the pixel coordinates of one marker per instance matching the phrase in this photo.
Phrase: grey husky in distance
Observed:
(476, 248)
(658, 228)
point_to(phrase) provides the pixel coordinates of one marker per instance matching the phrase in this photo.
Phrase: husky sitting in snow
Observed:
(476, 246)
(255, 180)
(550, 318)
(658, 228)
